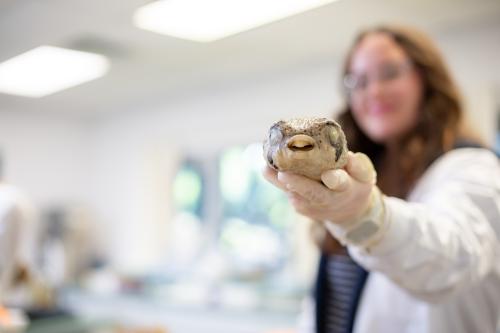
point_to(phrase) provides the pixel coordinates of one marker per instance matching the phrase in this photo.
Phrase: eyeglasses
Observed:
(355, 83)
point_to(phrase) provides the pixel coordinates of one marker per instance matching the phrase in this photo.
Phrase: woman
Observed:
(421, 232)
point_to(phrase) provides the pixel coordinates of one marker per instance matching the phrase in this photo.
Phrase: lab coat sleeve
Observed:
(445, 238)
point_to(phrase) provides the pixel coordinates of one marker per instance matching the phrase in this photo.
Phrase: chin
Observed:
(382, 137)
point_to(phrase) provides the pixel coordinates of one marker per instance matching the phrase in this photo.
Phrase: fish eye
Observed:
(336, 139)
(275, 135)
(333, 135)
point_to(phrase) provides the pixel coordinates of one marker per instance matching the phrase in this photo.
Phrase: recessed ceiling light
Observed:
(206, 21)
(48, 69)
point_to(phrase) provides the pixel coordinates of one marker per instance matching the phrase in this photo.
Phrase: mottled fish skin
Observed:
(306, 146)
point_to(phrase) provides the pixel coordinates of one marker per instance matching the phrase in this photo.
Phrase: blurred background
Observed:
(146, 177)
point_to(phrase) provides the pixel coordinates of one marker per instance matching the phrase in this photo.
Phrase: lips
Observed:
(380, 109)
(301, 142)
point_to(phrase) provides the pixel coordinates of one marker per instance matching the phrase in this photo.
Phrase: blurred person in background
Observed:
(411, 224)
(20, 284)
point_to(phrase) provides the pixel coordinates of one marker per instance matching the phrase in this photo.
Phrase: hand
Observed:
(344, 196)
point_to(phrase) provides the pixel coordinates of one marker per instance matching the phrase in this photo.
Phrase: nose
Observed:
(375, 88)
(301, 142)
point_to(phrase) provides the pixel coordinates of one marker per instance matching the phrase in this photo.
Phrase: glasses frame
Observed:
(351, 81)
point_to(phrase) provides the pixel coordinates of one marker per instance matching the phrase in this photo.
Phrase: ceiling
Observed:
(148, 68)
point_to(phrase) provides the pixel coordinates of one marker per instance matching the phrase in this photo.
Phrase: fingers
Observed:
(296, 199)
(271, 176)
(336, 180)
(309, 189)
(360, 167)
(300, 203)
(296, 187)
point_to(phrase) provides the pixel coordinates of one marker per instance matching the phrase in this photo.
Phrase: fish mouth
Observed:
(301, 142)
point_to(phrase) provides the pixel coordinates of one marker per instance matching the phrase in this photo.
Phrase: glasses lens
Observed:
(390, 72)
(350, 82)
(386, 73)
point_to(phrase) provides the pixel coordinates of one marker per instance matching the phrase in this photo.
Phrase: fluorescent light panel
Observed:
(209, 20)
(47, 69)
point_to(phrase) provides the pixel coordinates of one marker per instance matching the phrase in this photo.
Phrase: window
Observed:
(255, 216)
(187, 225)
(188, 189)
(235, 235)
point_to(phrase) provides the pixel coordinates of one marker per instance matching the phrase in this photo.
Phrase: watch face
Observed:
(364, 231)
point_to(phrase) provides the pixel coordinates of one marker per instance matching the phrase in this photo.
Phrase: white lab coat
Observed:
(437, 269)
(17, 234)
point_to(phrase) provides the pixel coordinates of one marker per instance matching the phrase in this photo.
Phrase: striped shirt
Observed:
(344, 282)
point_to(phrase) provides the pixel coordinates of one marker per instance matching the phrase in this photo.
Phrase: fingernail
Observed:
(281, 177)
(341, 180)
(334, 180)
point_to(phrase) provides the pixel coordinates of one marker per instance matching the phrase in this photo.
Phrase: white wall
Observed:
(47, 157)
(129, 191)
(473, 54)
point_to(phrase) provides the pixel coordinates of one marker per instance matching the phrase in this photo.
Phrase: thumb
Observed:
(361, 168)
(336, 180)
